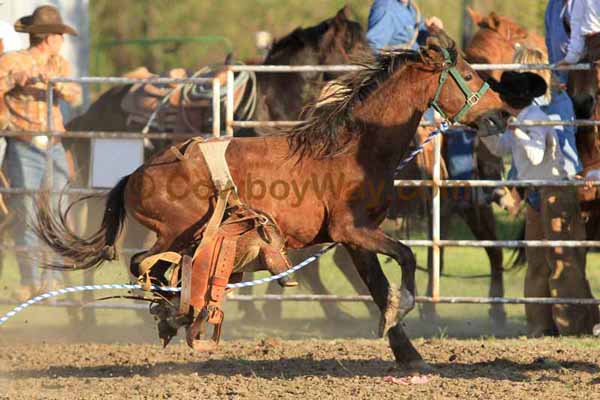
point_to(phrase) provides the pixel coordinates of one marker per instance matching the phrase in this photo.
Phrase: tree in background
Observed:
(238, 21)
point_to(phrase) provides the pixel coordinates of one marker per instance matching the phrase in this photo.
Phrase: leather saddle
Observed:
(235, 239)
(246, 241)
(176, 107)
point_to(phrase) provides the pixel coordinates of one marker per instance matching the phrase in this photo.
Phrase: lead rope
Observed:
(419, 149)
(75, 289)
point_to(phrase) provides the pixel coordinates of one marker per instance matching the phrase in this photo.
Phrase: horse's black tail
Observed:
(518, 255)
(81, 253)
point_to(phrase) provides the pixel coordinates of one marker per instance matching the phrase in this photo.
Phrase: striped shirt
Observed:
(26, 105)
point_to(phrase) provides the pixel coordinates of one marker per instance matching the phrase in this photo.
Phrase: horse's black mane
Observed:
(297, 40)
(311, 37)
(329, 124)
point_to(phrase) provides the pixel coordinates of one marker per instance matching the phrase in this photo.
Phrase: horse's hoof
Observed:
(419, 367)
(287, 281)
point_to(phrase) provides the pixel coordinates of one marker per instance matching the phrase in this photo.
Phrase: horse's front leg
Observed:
(385, 297)
(374, 240)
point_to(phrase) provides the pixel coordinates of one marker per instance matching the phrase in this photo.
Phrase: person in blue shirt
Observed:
(558, 30)
(398, 24)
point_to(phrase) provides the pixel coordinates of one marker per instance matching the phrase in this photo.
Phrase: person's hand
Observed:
(43, 77)
(20, 78)
(589, 182)
(562, 62)
(433, 23)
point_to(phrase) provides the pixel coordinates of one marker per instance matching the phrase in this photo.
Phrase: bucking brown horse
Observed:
(356, 140)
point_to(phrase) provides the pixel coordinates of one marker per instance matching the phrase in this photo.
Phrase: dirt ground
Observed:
(324, 369)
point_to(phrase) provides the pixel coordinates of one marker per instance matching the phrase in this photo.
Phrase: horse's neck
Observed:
(299, 88)
(391, 115)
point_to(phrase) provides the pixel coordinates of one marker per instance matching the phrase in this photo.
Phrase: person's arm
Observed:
(548, 25)
(70, 92)
(12, 73)
(577, 40)
(532, 142)
(381, 25)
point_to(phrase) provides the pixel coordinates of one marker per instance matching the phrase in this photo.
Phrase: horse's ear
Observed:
(440, 38)
(475, 16)
(344, 15)
(493, 21)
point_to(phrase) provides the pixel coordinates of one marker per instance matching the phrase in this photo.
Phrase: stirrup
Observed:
(210, 315)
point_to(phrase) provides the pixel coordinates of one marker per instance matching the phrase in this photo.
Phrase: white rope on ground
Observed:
(117, 286)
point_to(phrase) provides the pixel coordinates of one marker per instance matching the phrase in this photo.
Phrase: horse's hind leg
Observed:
(370, 271)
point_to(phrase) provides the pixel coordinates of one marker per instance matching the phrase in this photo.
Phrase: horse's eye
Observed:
(468, 77)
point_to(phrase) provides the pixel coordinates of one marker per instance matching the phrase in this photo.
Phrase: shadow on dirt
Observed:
(498, 369)
(30, 332)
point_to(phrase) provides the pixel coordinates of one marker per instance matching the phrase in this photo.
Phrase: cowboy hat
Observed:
(519, 88)
(45, 19)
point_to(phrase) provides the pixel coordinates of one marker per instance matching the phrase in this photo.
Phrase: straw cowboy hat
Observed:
(45, 19)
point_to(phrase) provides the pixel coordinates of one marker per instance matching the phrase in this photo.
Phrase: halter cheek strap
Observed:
(472, 98)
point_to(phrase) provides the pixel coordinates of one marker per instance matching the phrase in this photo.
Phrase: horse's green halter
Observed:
(471, 97)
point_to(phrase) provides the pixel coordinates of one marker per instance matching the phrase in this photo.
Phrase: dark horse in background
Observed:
(279, 96)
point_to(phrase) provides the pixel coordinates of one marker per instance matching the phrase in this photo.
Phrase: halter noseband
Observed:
(472, 98)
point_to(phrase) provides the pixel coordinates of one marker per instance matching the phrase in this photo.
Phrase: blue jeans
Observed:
(26, 168)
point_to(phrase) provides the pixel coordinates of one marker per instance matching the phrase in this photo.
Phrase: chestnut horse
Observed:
(356, 140)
